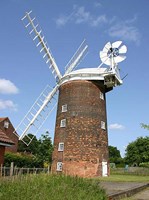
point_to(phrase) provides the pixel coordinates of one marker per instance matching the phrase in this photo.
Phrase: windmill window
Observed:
(103, 125)
(59, 166)
(61, 146)
(64, 108)
(101, 96)
(63, 123)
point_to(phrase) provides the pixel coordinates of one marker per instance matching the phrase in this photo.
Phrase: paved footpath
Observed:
(117, 190)
(143, 195)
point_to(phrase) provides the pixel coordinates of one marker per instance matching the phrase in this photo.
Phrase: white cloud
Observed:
(63, 19)
(82, 16)
(7, 87)
(121, 29)
(99, 20)
(116, 126)
(7, 104)
(125, 30)
(79, 16)
(97, 4)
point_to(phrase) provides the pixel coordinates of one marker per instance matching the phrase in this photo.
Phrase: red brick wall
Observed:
(2, 152)
(11, 135)
(85, 143)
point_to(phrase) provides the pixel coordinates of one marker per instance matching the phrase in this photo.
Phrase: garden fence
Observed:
(16, 171)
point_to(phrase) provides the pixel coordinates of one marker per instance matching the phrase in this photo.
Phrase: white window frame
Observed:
(63, 123)
(103, 125)
(102, 95)
(61, 146)
(64, 108)
(59, 166)
(6, 124)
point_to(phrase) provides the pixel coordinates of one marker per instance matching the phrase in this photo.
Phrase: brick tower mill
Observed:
(81, 137)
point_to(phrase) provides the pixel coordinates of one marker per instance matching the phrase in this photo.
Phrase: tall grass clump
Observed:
(50, 187)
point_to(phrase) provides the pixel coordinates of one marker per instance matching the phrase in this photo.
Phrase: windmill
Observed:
(80, 141)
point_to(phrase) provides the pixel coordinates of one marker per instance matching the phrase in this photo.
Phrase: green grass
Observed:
(125, 178)
(54, 187)
(50, 187)
(138, 171)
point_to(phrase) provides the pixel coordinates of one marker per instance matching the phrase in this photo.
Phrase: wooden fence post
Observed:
(1, 170)
(48, 169)
(11, 168)
(4, 171)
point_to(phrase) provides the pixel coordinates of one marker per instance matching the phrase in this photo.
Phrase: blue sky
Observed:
(23, 73)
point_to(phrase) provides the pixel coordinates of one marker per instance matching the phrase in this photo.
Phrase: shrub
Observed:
(21, 160)
(144, 164)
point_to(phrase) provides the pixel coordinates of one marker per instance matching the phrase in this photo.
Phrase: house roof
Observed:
(4, 138)
(7, 119)
(3, 118)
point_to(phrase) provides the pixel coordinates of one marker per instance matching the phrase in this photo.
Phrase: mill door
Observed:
(104, 169)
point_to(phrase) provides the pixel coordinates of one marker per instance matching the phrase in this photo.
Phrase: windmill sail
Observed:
(38, 113)
(36, 34)
(110, 55)
(44, 105)
(77, 57)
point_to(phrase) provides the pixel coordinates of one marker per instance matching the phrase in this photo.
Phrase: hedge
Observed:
(22, 160)
(144, 164)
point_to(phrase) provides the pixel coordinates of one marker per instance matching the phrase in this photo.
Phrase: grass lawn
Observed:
(125, 178)
(54, 187)
(50, 187)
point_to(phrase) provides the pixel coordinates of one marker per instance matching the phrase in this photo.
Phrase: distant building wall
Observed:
(9, 132)
(2, 152)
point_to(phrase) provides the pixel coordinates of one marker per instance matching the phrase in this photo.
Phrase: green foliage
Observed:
(114, 152)
(45, 148)
(123, 177)
(144, 164)
(53, 187)
(112, 165)
(121, 164)
(21, 160)
(145, 126)
(138, 151)
(33, 146)
(41, 148)
(114, 155)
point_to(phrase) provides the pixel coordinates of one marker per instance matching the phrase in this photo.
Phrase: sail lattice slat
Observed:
(77, 57)
(36, 33)
(38, 113)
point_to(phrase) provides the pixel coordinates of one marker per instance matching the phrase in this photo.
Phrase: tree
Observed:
(114, 155)
(138, 151)
(41, 148)
(45, 148)
(33, 147)
(145, 126)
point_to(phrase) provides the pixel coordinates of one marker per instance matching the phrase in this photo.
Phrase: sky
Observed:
(24, 74)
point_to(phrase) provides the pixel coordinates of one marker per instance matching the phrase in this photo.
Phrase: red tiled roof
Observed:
(4, 138)
(7, 119)
(2, 118)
